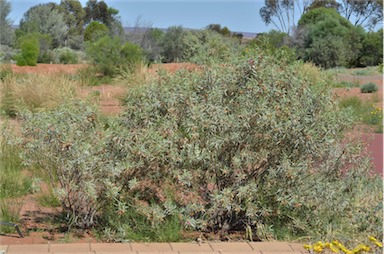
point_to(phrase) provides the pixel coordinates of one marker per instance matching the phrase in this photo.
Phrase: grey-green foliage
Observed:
(172, 44)
(45, 19)
(148, 39)
(7, 33)
(207, 47)
(68, 145)
(242, 144)
(197, 46)
(236, 145)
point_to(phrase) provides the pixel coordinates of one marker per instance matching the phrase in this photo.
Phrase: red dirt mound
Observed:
(47, 68)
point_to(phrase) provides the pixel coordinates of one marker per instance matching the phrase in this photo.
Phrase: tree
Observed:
(328, 39)
(45, 19)
(99, 11)
(94, 31)
(172, 44)
(6, 34)
(372, 52)
(74, 15)
(367, 13)
(323, 3)
(281, 13)
(282, 10)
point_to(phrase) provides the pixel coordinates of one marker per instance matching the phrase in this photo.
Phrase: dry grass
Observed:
(35, 92)
(137, 75)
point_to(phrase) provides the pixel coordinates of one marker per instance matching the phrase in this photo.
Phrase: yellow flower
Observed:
(307, 247)
(333, 248)
(361, 247)
(317, 248)
(375, 241)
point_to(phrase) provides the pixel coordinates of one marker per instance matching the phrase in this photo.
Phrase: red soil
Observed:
(48, 68)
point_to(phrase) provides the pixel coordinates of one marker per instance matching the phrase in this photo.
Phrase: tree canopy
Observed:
(45, 19)
(281, 13)
(6, 35)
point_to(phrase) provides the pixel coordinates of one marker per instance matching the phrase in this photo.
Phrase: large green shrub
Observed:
(237, 146)
(94, 31)
(110, 54)
(253, 143)
(29, 46)
(327, 39)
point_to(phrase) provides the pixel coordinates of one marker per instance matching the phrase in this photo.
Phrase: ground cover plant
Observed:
(369, 88)
(207, 151)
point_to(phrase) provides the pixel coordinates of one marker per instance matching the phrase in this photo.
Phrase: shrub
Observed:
(67, 56)
(94, 31)
(29, 52)
(369, 88)
(221, 143)
(109, 55)
(6, 54)
(71, 154)
(208, 47)
(247, 144)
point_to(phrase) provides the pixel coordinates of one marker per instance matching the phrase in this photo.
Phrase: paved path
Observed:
(163, 248)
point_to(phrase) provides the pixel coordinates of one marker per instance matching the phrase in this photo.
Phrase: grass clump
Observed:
(365, 71)
(346, 84)
(12, 182)
(35, 92)
(369, 88)
(9, 212)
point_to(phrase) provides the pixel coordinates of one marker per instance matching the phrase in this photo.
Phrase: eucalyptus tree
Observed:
(7, 33)
(74, 16)
(45, 19)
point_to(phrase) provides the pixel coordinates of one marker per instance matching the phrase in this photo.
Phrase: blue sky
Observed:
(237, 15)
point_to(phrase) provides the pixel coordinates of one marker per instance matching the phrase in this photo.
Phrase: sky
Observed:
(237, 15)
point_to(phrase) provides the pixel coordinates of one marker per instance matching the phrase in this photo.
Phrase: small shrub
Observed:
(67, 144)
(7, 54)
(369, 88)
(66, 56)
(46, 57)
